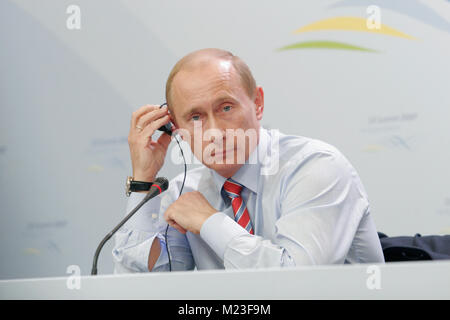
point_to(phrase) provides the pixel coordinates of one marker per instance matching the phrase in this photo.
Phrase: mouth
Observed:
(222, 153)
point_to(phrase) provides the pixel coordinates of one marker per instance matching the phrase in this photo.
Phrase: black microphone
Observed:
(160, 185)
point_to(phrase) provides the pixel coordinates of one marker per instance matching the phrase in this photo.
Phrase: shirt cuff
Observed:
(218, 230)
(147, 217)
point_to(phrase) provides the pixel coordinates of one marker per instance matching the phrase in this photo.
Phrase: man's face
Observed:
(211, 104)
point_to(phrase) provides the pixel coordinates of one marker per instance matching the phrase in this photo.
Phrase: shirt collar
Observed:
(248, 174)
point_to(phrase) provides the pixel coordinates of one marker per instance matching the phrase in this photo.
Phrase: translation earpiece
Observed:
(167, 128)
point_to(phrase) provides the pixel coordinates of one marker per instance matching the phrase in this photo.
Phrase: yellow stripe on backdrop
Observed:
(351, 24)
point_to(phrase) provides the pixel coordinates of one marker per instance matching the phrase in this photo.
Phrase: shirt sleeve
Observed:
(321, 205)
(134, 240)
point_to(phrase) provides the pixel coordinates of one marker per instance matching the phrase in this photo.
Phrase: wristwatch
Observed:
(135, 186)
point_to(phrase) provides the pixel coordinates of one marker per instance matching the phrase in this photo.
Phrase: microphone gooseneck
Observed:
(160, 185)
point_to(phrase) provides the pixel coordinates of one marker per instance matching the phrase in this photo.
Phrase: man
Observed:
(267, 200)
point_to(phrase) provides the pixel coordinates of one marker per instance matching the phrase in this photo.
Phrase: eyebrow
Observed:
(222, 99)
(199, 109)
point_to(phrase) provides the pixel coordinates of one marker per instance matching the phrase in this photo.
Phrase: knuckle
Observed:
(185, 195)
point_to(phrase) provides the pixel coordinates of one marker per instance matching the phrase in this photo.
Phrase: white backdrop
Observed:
(67, 95)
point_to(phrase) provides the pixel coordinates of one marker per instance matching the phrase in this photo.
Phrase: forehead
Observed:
(203, 83)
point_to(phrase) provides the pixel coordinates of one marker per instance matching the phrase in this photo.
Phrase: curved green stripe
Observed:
(324, 45)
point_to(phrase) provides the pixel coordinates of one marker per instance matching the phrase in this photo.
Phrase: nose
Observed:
(215, 127)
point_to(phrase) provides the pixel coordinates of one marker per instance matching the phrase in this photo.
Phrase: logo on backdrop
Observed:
(371, 23)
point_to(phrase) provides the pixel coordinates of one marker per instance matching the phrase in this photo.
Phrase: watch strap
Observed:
(136, 186)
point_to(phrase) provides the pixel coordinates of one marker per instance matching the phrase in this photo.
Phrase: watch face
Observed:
(128, 186)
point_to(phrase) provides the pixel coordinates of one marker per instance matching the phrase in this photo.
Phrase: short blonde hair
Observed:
(195, 58)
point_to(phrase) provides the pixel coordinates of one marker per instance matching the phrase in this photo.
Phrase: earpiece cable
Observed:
(181, 190)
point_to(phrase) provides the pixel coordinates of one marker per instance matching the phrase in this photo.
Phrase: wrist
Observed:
(144, 178)
(137, 185)
(203, 220)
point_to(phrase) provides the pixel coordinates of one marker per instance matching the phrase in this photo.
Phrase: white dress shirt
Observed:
(306, 203)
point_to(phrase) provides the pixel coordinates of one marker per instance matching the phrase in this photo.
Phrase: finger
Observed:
(153, 126)
(172, 222)
(150, 129)
(176, 226)
(139, 112)
(148, 117)
(180, 228)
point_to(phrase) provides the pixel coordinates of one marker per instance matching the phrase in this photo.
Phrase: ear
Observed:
(172, 119)
(175, 125)
(259, 102)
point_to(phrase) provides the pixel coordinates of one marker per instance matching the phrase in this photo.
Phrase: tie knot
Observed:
(232, 188)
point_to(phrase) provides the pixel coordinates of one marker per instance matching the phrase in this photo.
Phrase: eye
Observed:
(227, 108)
(195, 117)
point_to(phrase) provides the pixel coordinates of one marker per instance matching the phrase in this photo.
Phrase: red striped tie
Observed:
(241, 215)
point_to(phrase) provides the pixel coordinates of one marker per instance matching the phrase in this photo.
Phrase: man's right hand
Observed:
(147, 155)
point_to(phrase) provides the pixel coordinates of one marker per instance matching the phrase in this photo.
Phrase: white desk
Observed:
(416, 280)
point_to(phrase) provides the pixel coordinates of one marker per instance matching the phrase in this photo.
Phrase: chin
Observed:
(225, 170)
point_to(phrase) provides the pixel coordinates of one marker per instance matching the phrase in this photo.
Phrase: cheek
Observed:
(197, 144)
(236, 120)
(245, 119)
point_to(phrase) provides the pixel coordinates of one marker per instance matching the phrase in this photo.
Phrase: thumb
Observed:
(164, 140)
